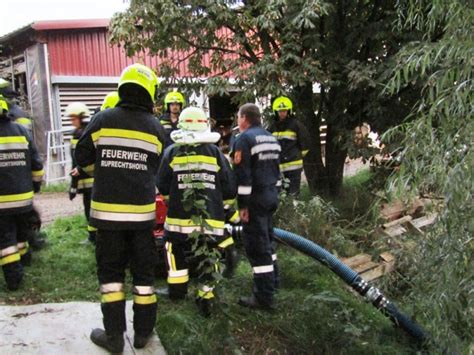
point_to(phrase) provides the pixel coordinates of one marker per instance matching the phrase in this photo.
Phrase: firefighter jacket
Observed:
(169, 126)
(20, 166)
(16, 114)
(203, 168)
(256, 155)
(83, 181)
(121, 147)
(293, 139)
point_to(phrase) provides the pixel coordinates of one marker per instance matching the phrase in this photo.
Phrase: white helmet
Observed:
(193, 119)
(4, 83)
(77, 109)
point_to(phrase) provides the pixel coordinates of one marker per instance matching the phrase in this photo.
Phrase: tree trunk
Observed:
(335, 160)
(313, 163)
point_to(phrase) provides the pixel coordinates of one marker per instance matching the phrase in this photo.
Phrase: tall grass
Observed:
(316, 313)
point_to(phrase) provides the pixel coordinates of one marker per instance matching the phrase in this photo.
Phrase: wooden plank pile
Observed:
(368, 269)
(399, 219)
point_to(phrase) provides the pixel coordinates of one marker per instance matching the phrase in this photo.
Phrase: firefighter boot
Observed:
(37, 241)
(253, 302)
(204, 306)
(113, 343)
(92, 235)
(230, 262)
(140, 341)
(26, 258)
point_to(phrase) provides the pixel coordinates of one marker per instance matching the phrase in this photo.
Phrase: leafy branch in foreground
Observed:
(437, 159)
(203, 245)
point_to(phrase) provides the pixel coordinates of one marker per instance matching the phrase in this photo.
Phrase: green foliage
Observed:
(342, 225)
(280, 47)
(316, 314)
(317, 220)
(357, 196)
(437, 159)
(203, 245)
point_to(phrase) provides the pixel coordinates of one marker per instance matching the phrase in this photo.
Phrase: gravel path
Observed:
(52, 205)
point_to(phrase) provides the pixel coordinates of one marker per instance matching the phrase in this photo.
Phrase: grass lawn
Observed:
(316, 313)
(62, 186)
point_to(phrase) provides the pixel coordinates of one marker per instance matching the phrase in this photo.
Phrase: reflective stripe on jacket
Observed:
(293, 139)
(203, 168)
(20, 165)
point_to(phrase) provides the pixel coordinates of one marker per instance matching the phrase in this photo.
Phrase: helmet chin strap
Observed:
(190, 137)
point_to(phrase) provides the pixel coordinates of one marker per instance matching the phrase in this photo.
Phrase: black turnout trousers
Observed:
(259, 243)
(115, 250)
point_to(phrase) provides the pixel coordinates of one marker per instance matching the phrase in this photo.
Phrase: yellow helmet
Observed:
(282, 103)
(193, 119)
(175, 97)
(77, 109)
(141, 75)
(3, 105)
(110, 100)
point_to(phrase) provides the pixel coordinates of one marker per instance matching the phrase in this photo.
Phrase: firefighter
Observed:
(122, 147)
(293, 139)
(81, 182)
(255, 155)
(21, 172)
(36, 239)
(110, 101)
(174, 104)
(194, 162)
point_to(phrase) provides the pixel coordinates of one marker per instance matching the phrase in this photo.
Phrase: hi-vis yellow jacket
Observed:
(20, 165)
(293, 138)
(121, 148)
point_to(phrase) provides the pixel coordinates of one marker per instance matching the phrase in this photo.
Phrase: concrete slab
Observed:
(60, 328)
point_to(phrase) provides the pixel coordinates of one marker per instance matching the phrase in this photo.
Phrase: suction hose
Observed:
(353, 279)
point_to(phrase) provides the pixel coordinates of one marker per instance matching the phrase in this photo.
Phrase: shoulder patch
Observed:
(237, 157)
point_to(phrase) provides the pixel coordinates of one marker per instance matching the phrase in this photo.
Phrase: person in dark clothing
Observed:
(293, 139)
(81, 182)
(122, 147)
(194, 162)
(174, 104)
(36, 239)
(21, 172)
(255, 155)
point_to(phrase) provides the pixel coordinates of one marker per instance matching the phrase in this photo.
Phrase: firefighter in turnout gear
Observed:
(121, 146)
(293, 139)
(255, 155)
(35, 238)
(81, 182)
(194, 162)
(174, 104)
(110, 101)
(21, 173)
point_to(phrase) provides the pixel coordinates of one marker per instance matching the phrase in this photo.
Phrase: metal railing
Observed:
(58, 160)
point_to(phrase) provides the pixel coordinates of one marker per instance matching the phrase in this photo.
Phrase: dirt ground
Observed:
(56, 204)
